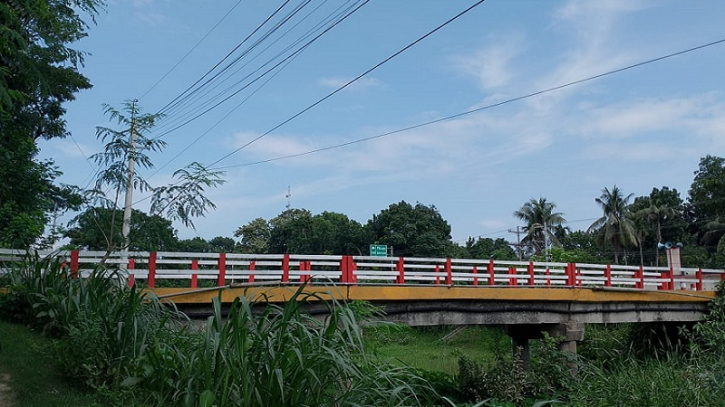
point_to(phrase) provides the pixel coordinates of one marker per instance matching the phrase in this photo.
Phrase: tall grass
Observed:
(123, 341)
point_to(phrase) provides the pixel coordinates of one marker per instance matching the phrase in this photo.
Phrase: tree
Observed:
(291, 231)
(194, 245)
(335, 233)
(614, 227)
(38, 73)
(254, 236)
(416, 230)
(661, 209)
(180, 201)
(148, 233)
(707, 200)
(542, 223)
(221, 244)
(486, 248)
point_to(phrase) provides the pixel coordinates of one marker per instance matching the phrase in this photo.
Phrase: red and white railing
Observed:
(226, 268)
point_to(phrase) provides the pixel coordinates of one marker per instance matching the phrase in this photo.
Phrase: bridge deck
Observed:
(387, 293)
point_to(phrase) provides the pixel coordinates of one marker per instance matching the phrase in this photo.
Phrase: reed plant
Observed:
(278, 355)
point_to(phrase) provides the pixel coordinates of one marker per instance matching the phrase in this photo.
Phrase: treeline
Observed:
(631, 230)
(408, 230)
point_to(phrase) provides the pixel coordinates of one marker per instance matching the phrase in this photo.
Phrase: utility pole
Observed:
(518, 233)
(546, 242)
(126, 229)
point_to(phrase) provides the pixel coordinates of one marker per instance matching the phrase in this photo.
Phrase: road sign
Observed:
(379, 250)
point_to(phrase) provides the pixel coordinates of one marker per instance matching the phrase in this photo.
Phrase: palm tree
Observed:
(615, 226)
(541, 223)
(656, 215)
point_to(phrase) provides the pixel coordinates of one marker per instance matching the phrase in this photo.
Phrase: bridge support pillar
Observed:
(569, 332)
(520, 335)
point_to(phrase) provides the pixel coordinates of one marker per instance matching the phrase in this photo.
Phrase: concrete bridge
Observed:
(527, 298)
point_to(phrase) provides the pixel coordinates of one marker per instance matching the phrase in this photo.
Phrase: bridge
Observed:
(528, 298)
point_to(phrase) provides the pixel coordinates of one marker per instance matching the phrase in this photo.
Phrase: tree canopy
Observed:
(418, 230)
(38, 73)
(97, 228)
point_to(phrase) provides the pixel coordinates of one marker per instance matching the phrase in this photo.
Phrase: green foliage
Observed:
(298, 231)
(254, 236)
(614, 228)
(541, 223)
(38, 74)
(418, 231)
(486, 248)
(499, 379)
(100, 229)
(185, 199)
(119, 340)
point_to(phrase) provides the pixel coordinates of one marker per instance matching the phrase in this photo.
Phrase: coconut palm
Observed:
(541, 223)
(615, 226)
(656, 215)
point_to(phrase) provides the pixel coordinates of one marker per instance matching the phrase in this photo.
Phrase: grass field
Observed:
(425, 348)
(28, 375)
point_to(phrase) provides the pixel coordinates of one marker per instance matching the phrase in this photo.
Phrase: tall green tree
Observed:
(335, 233)
(615, 228)
(291, 232)
(254, 236)
(418, 230)
(542, 224)
(38, 73)
(707, 202)
(487, 248)
(148, 233)
(180, 201)
(221, 244)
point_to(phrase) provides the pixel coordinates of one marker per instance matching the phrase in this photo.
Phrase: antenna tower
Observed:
(288, 196)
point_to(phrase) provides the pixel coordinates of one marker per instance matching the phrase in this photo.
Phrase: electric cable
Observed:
(466, 113)
(379, 64)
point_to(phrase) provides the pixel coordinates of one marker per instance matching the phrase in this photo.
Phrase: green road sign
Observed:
(379, 250)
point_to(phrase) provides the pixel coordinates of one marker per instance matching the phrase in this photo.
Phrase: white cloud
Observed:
(491, 65)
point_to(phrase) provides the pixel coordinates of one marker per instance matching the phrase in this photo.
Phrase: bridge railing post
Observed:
(131, 277)
(74, 255)
(608, 276)
(491, 276)
(344, 273)
(151, 282)
(475, 275)
(352, 268)
(285, 268)
(252, 267)
(530, 269)
(194, 276)
(449, 272)
(571, 275)
(513, 280)
(400, 267)
(221, 279)
(698, 276)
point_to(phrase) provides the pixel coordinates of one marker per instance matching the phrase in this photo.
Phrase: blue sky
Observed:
(642, 128)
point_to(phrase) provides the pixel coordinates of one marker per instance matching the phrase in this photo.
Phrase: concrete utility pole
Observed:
(518, 241)
(126, 229)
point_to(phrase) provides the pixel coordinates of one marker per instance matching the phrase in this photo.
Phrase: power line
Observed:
(332, 17)
(468, 112)
(283, 61)
(223, 59)
(192, 49)
(379, 64)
